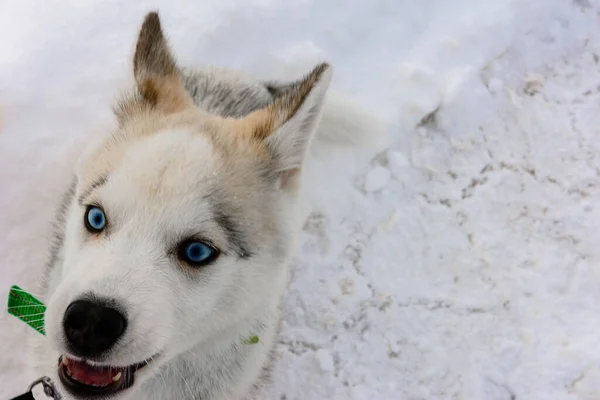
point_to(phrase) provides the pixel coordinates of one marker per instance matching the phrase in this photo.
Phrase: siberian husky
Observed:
(173, 242)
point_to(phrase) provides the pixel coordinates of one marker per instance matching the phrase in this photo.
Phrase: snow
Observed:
(470, 273)
(325, 361)
(377, 178)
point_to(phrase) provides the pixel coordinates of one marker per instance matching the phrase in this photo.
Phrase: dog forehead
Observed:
(175, 166)
(181, 168)
(171, 162)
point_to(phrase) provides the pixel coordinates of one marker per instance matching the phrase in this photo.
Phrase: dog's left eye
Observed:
(94, 219)
(197, 253)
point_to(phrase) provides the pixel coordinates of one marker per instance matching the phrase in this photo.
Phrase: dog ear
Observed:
(287, 125)
(156, 73)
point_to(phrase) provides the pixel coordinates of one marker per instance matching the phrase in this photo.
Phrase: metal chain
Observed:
(49, 387)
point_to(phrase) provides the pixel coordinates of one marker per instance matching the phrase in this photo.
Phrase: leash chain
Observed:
(49, 390)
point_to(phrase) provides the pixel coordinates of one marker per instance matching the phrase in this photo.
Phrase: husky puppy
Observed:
(172, 246)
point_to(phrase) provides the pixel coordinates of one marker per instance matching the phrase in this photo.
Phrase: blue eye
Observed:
(94, 220)
(197, 253)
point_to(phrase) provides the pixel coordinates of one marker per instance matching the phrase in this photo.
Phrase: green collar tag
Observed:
(27, 308)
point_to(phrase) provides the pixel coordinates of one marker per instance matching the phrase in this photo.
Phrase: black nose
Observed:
(92, 328)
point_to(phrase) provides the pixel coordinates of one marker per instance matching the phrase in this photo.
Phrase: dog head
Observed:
(180, 225)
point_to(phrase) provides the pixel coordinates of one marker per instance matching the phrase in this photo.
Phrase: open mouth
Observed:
(83, 379)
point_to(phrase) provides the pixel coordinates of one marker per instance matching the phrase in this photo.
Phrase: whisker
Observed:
(186, 384)
(160, 373)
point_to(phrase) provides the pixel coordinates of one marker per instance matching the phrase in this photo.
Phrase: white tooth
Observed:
(65, 361)
(117, 377)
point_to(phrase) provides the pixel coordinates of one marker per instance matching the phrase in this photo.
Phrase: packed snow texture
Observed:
(459, 263)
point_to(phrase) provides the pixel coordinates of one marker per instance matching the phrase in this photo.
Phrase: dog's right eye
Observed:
(196, 253)
(94, 220)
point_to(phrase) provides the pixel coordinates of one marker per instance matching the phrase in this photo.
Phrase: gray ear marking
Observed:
(152, 57)
(156, 74)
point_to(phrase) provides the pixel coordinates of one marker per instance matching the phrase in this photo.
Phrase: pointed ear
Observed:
(287, 125)
(156, 74)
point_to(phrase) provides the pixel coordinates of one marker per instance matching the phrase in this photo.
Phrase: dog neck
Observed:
(227, 365)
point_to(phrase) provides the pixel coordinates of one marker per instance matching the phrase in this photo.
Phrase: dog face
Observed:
(179, 227)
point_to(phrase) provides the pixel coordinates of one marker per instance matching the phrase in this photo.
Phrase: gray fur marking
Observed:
(98, 183)
(58, 234)
(229, 93)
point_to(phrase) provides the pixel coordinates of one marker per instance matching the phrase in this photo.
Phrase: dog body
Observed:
(203, 162)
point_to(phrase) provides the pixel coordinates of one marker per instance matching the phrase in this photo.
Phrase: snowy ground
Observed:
(468, 269)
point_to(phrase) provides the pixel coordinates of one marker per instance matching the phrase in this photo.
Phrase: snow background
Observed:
(463, 261)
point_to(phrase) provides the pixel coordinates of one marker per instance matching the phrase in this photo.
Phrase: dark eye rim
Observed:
(89, 227)
(181, 256)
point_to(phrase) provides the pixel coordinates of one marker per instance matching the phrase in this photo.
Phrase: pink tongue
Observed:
(89, 375)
